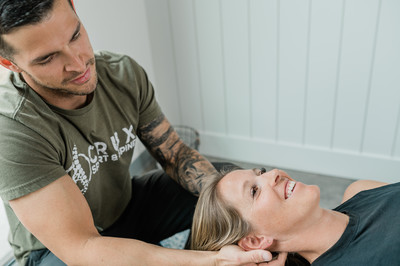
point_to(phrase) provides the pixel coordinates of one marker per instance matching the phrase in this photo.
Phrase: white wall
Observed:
(119, 26)
(303, 84)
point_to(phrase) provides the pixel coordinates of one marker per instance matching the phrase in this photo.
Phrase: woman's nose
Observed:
(278, 175)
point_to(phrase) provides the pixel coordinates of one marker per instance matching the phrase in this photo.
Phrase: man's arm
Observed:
(183, 164)
(59, 216)
(359, 186)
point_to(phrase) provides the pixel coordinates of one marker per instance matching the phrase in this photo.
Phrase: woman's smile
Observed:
(290, 185)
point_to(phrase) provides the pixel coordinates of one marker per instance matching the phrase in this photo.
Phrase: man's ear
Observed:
(251, 242)
(9, 65)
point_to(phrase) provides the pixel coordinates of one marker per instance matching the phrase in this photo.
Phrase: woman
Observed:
(269, 210)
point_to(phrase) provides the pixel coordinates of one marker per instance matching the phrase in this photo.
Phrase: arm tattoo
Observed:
(185, 165)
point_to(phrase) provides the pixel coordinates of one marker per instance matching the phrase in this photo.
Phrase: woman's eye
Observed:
(254, 191)
(76, 36)
(262, 171)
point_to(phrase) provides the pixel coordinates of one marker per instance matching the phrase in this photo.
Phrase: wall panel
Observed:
(382, 112)
(293, 62)
(234, 16)
(186, 62)
(324, 51)
(263, 68)
(355, 69)
(211, 70)
(164, 61)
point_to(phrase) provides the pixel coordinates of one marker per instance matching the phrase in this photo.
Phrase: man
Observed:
(68, 124)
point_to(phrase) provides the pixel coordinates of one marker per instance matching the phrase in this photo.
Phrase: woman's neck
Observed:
(322, 234)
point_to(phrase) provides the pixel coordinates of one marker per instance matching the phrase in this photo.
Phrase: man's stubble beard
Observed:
(66, 92)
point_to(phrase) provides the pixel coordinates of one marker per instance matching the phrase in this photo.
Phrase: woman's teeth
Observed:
(289, 188)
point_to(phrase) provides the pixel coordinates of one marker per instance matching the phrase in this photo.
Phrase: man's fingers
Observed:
(234, 255)
(258, 256)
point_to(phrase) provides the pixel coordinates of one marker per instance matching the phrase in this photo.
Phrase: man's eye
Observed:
(46, 61)
(253, 191)
(262, 171)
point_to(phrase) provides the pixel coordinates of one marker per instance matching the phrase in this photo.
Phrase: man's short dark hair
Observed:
(18, 13)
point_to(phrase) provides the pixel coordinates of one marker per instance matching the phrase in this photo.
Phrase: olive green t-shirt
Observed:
(94, 144)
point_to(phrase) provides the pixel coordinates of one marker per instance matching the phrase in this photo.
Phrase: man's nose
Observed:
(75, 63)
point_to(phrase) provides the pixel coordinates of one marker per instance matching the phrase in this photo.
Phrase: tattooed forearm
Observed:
(160, 139)
(147, 132)
(183, 164)
(191, 169)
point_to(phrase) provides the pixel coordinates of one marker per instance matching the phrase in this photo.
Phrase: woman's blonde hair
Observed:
(215, 223)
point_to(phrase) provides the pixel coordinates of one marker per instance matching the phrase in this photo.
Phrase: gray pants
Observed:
(43, 257)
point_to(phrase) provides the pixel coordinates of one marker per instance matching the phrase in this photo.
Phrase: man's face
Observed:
(55, 56)
(272, 202)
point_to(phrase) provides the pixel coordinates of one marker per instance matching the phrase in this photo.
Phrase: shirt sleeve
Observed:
(28, 161)
(149, 108)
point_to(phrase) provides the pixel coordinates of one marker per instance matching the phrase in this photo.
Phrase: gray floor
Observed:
(332, 188)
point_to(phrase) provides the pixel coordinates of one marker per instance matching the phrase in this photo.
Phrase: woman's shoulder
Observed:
(359, 186)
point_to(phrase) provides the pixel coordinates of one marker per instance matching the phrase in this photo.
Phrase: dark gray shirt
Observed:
(372, 236)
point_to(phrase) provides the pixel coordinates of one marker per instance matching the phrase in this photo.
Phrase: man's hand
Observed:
(234, 255)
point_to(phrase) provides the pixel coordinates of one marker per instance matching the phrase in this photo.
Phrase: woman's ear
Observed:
(251, 242)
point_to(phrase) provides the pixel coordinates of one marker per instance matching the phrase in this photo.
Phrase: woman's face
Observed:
(272, 202)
